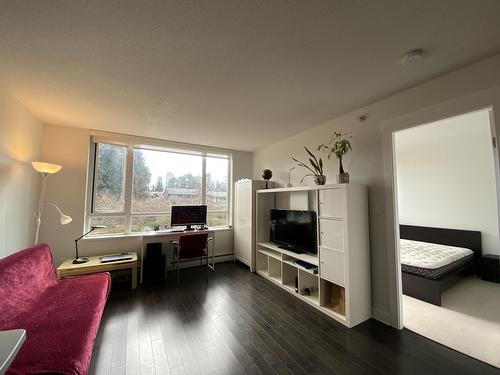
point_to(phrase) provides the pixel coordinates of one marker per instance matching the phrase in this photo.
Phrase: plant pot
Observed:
(319, 179)
(343, 178)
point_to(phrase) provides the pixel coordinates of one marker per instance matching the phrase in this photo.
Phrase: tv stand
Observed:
(340, 288)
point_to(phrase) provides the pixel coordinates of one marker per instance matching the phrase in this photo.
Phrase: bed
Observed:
(435, 259)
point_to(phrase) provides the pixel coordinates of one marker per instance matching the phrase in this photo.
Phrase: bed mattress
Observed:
(431, 260)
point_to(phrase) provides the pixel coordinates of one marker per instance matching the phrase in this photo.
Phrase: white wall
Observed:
(366, 163)
(20, 137)
(70, 147)
(446, 176)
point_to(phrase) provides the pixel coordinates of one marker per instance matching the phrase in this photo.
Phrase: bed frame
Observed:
(430, 290)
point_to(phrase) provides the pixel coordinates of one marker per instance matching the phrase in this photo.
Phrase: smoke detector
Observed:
(412, 57)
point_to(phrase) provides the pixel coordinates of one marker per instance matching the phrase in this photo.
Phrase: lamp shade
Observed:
(64, 219)
(46, 167)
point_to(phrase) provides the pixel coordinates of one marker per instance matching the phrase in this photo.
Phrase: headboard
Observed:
(451, 237)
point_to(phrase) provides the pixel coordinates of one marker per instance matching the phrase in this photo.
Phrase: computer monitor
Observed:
(189, 215)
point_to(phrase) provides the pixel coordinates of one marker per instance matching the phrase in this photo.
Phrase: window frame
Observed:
(132, 145)
(93, 210)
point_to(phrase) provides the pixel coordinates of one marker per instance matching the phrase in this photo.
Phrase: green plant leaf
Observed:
(341, 144)
(301, 164)
(312, 155)
(315, 166)
(309, 152)
(309, 174)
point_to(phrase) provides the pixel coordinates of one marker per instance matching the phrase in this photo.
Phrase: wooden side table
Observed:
(94, 265)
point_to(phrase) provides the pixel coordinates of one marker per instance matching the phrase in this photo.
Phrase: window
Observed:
(217, 192)
(134, 187)
(163, 179)
(110, 178)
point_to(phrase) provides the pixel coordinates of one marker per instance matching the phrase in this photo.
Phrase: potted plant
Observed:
(339, 146)
(316, 167)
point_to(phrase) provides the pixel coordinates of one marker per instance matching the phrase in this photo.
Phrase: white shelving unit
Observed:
(341, 287)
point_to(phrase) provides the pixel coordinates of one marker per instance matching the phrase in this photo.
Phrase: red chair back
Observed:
(192, 245)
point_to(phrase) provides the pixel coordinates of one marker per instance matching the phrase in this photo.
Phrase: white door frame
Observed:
(487, 99)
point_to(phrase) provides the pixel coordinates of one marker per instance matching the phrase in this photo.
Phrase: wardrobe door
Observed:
(243, 223)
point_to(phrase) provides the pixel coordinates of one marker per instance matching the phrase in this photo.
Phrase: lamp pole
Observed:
(38, 216)
(45, 170)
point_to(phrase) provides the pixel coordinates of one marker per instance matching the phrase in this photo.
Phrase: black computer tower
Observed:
(154, 264)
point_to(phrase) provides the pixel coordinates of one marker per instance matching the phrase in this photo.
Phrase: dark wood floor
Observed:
(239, 323)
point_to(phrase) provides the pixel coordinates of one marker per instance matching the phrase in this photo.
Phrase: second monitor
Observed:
(189, 215)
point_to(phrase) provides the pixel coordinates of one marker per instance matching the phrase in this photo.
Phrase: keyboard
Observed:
(115, 258)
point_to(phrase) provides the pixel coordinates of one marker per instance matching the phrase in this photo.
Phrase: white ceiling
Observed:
(228, 73)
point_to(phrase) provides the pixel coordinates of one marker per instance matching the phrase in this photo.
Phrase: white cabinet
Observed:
(332, 266)
(331, 234)
(243, 223)
(344, 254)
(332, 203)
(244, 220)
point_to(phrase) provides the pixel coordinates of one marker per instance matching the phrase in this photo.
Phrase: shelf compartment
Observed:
(262, 263)
(333, 297)
(275, 269)
(289, 275)
(313, 259)
(291, 263)
(313, 297)
(310, 282)
(270, 253)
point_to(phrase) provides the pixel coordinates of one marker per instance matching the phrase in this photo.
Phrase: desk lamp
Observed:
(79, 259)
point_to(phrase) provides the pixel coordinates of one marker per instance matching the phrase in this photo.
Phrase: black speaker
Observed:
(154, 264)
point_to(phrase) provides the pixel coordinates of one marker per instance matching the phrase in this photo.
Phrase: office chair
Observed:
(191, 247)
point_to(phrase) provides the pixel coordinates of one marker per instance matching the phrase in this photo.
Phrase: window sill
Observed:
(136, 235)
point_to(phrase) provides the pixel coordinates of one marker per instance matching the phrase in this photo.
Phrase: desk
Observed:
(10, 343)
(172, 235)
(94, 265)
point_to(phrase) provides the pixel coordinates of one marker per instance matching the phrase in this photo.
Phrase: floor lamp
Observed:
(46, 169)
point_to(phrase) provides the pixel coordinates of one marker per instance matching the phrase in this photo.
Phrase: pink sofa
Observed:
(61, 317)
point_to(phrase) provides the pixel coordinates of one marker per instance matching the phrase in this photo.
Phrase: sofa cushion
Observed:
(24, 277)
(62, 327)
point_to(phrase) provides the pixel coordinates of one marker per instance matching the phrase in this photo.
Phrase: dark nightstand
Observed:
(489, 268)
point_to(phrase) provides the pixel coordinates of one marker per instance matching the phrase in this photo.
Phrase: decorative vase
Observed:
(319, 179)
(343, 178)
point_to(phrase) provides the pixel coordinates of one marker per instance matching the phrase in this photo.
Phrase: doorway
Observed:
(446, 200)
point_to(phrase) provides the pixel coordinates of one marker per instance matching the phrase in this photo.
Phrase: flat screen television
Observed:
(188, 215)
(294, 230)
